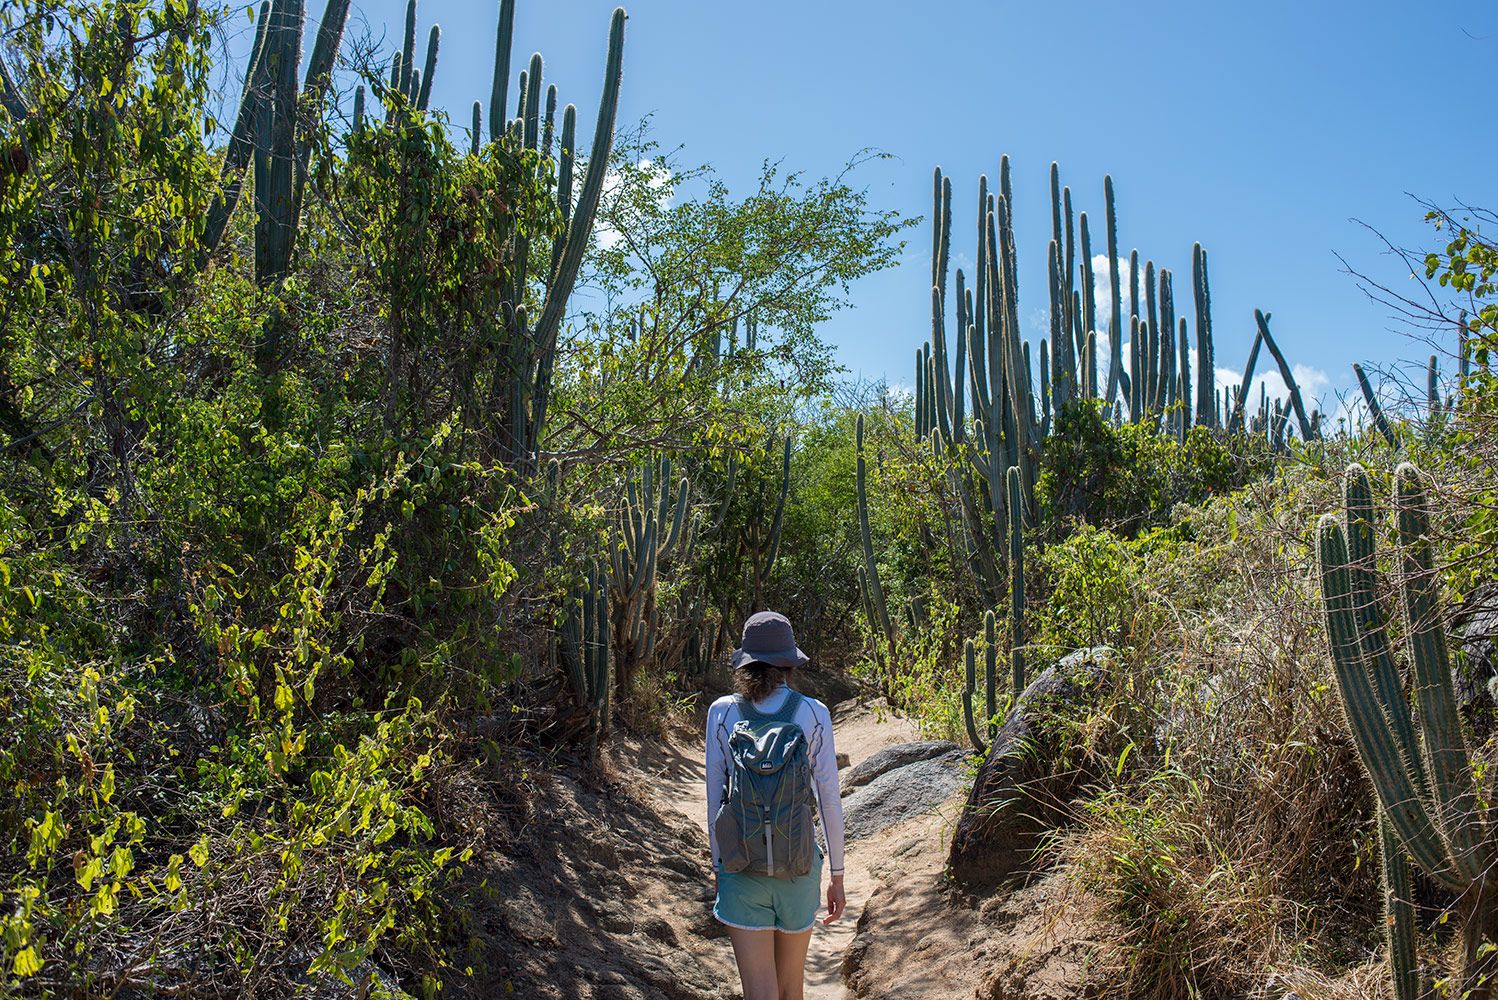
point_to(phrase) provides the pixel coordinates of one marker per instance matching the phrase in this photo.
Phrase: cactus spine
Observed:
(1425, 787)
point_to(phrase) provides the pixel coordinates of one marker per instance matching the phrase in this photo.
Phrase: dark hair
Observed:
(756, 681)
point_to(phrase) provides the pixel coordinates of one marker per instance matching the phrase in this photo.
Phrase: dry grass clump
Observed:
(1231, 837)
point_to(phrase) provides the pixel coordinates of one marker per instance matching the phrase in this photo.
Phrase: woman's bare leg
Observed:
(755, 953)
(790, 963)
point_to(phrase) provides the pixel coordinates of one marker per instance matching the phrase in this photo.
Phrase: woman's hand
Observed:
(836, 901)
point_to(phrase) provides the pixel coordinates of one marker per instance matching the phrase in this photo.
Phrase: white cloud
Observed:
(658, 181)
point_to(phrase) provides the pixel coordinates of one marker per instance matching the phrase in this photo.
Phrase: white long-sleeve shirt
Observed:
(816, 722)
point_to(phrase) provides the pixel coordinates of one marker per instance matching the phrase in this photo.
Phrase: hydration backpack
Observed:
(765, 825)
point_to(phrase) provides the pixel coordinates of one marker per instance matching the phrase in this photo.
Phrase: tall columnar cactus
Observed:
(1308, 430)
(269, 133)
(990, 685)
(1412, 747)
(1016, 582)
(1206, 351)
(1375, 411)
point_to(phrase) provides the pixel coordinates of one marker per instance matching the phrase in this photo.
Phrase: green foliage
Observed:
(1129, 478)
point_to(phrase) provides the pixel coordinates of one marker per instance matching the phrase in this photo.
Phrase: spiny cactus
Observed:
(981, 743)
(1428, 802)
(1375, 411)
(1016, 582)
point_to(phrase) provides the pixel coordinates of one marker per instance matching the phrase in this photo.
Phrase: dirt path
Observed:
(858, 732)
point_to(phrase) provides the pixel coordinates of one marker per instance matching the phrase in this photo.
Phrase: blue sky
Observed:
(1261, 130)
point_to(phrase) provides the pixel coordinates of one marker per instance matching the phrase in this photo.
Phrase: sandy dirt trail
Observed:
(858, 731)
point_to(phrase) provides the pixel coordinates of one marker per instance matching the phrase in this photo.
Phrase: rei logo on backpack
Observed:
(764, 826)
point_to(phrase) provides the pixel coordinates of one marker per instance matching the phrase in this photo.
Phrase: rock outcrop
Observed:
(1020, 794)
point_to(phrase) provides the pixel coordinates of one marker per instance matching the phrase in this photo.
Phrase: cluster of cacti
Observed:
(407, 83)
(585, 649)
(269, 132)
(652, 527)
(1411, 746)
(993, 361)
(273, 130)
(1016, 559)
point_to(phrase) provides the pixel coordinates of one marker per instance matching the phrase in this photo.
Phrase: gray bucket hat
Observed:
(768, 639)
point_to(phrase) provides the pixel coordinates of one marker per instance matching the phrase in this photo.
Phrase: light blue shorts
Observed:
(762, 903)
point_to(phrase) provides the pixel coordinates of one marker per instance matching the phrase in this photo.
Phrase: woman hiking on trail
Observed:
(771, 768)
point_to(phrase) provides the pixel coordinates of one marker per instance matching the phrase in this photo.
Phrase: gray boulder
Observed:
(1476, 670)
(898, 794)
(890, 758)
(1019, 795)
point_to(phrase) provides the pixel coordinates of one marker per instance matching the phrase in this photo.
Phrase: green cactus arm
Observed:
(531, 112)
(1433, 389)
(476, 128)
(548, 126)
(275, 145)
(1374, 410)
(1235, 421)
(429, 70)
(1205, 360)
(359, 107)
(990, 672)
(1447, 758)
(1016, 580)
(1372, 634)
(241, 139)
(408, 52)
(1399, 913)
(937, 376)
(1115, 318)
(1379, 750)
(996, 395)
(1135, 381)
(499, 89)
(959, 393)
(581, 226)
(314, 87)
(683, 497)
(1307, 431)
(978, 315)
(969, 655)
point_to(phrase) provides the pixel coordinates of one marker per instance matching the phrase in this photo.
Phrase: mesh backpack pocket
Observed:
(765, 825)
